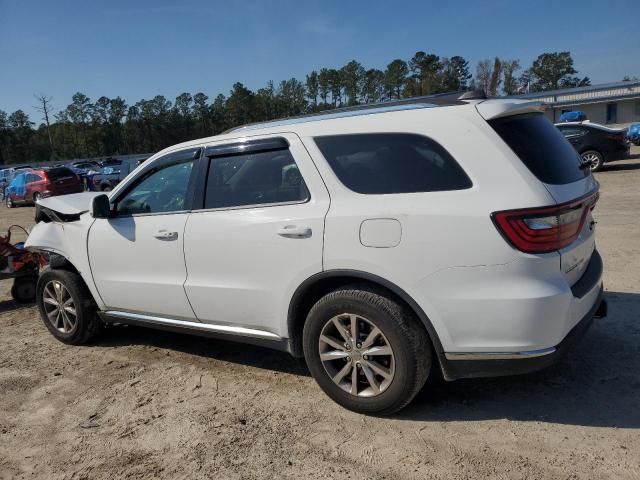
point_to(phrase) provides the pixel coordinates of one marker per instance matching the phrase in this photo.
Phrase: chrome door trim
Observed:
(188, 325)
(499, 355)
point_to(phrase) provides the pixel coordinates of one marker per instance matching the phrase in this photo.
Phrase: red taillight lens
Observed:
(545, 229)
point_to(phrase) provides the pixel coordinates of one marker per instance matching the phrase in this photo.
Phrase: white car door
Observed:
(136, 256)
(259, 233)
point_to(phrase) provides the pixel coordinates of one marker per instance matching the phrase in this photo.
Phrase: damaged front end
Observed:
(61, 231)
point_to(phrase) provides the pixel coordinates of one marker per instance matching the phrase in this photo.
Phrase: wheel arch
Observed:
(318, 285)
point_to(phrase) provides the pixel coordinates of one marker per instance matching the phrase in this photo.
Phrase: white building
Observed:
(608, 103)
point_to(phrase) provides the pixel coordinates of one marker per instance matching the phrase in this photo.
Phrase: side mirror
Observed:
(100, 207)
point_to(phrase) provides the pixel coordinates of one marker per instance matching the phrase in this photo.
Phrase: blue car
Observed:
(633, 134)
(85, 169)
(573, 116)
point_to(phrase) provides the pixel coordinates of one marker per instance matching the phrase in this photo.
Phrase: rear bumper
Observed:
(483, 365)
(489, 363)
(621, 153)
(54, 192)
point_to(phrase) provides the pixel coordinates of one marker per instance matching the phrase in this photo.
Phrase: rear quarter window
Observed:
(387, 163)
(541, 147)
(59, 172)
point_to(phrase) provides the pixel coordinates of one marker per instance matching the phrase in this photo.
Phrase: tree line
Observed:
(109, 126)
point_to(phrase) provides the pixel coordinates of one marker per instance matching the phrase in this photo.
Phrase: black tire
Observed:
(405, 334)
(106, 188)
(36, 196)
(88, 325)
(24, 289)
(595, 157)
(10, 203)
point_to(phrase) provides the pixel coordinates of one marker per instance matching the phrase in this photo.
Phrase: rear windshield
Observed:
(384, 163)
(541, 147)
(59, 172)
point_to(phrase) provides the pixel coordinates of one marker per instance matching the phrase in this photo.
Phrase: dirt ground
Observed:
(149, 404)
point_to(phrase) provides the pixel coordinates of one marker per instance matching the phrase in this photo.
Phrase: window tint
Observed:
(571, 132)
(161, 190)
(381, 163)
(59, 172)
(541, 147)
(254, 179)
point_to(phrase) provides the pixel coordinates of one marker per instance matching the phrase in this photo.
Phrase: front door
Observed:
(259, 234)
(136, 257)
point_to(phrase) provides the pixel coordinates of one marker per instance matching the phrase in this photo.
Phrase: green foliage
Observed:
(549, 70)
(394, 78)
(109, 126)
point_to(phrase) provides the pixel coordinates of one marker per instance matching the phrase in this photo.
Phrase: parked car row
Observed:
(25, 185)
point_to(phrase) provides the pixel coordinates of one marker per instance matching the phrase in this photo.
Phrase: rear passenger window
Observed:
(383, 163)
(254, 179)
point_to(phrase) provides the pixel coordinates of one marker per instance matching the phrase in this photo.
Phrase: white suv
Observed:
(382, 243)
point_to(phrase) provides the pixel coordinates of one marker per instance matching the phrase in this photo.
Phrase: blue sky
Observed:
(138, 49)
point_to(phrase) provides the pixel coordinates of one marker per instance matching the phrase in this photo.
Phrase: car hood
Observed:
(73, 204)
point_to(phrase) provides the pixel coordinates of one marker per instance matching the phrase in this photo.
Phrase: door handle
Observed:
(294, 231)
(165, 235)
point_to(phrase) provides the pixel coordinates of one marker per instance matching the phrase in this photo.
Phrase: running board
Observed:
(227, 332)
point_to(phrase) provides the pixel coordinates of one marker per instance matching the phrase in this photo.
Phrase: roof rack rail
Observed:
(425, 101)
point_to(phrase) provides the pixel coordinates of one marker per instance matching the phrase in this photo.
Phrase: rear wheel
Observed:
(366, 351)
(36, 196)
(10, 203)
(67, 307)
(594, 158)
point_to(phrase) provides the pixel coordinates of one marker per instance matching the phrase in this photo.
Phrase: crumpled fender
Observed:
(67, 238)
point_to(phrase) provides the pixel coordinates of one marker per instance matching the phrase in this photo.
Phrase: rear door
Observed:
(553, 161)
(258, 235)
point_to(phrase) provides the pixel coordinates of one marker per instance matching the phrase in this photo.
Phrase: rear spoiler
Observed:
(497, 108)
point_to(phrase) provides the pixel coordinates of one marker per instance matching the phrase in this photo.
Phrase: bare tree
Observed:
(495, 79)
(483, 75)
(45, 107)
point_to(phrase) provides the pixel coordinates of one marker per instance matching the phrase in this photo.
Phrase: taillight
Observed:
(616, 136)
(544, 229)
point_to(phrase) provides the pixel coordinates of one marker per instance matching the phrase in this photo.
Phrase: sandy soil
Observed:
(148, 404)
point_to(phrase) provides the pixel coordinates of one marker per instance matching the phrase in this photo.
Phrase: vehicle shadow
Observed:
(12, 305)
(597, 384)
(615, 166)
(224, 350)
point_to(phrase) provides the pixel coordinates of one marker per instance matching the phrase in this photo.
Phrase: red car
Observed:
(45, 182)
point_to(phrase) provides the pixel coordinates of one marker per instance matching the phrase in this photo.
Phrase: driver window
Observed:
(160, 191)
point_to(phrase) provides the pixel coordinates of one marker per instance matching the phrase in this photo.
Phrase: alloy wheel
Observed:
(59, 307)
(592, 159)
(356, 355)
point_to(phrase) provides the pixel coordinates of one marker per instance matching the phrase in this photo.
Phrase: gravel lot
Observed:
(148, 404)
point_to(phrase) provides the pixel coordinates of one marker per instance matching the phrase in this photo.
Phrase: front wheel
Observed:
(36, 196)
(366, 351)
(67, 307)
(594, 158)
(10, 203)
